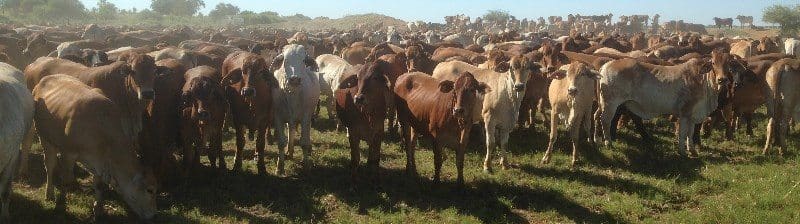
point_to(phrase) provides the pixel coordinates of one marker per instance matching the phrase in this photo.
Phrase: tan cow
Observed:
(571, 94)
(688, 91)
(744, 48)
(784, 100)
(80, 124)
(500, 107)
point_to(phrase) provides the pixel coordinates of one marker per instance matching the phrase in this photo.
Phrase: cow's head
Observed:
(138, 190)
(371, 84)
(465, 90)
(415, 58)
(520, 69)
(36, 46)
(581, 78)
(722, 68)
(550, 57)
(297, 65)
(143, 70)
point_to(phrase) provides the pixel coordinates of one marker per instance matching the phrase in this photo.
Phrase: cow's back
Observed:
(46, 66)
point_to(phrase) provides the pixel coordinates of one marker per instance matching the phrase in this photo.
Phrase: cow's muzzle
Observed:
(572, 91)
(294, 81)
(203, 115)
(360, 99)
(519, 87)
(248, 92)
(458, 111)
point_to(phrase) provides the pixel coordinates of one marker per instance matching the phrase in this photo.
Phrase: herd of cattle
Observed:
(123, 100)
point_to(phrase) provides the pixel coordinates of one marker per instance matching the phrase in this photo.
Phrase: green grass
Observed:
(630, 183)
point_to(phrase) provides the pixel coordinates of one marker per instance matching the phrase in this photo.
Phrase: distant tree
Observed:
(496, 16)
(223, 9)
(786, 16)
(147, 14)
(252, 18)
(177, 7)
(106, 10)
(58, 9)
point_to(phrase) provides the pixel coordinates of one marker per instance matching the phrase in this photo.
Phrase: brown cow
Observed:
(355, 55)
(783, 103)
(81, 124)
(248, 83)
(161, 120)
(361, 106)
(438, 109)
(202, 116)
(442, 54)
(418, 60)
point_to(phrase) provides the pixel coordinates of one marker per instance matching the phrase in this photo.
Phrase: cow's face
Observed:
(252, 71)
(36, 46)
(520, 71)
(138, 189)
(580, 77)
(549, 59)
(372, 84)
(722, 68)
(465, 90)
(415, 58)
(143, 70)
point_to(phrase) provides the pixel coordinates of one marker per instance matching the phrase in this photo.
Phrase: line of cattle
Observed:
(122, 112)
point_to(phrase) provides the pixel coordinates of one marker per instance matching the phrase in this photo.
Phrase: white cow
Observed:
(331, 68)
(294, 101)
(16, 117)
(792, 46)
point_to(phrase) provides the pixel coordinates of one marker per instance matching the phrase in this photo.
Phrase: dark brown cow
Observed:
(361, 106)
(248, 83)
(38, 46)
(202, 116)
(161, 120)
(441, 110)
(418, 60)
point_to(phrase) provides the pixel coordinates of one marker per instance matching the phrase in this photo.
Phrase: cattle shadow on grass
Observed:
(24, 210)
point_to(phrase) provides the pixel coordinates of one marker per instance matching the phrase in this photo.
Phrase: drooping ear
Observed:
(311, 63)
(126, 69)
(558, 74)
(349, 82)
(478, 59)
(502, 67)
(594, 74)
(231, 78)
(446, 86)
(269, 77)
(483, 88)
(275, 62)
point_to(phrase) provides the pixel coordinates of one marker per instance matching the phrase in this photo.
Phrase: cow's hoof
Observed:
(488, 170)
(545, 160)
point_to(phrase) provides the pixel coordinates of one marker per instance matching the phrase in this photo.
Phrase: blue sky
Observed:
(696, 11)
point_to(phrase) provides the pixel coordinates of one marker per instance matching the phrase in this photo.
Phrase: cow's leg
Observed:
(771, 127)
(100, 189)
(27, 142)
(553, 135)
(607, 115)
(260, 144)
(597, 123)
(491, 144)
(503, 149)
(280, 136)
(51, 167)
(6, 176)
(408, 136)
(460, 150)
(783, 129)
(728, 118)
(438, 159)
(374, 157)
(305, 140)
(540, 108)
(639, 124)
(68, 176)
(685, 128)
(748, 120)
(216, 151)
(355, 153)
(237, 159)
(188, 154)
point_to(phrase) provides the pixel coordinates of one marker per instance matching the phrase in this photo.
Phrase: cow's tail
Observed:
(25, 149)
(774, 103)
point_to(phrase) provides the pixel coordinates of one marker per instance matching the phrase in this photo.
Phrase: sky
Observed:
(694, 11)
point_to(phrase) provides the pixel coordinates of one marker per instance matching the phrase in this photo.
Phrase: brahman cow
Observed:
(78, 123)
(248, 86)
(361, 106)
(161, 120)
(16, 114)
(792, 47)
(783, 103)
(500, 107)
(688, 91)
(442, 110)
(202, 115)
(572, 93)
(331, 68)
(294, 101)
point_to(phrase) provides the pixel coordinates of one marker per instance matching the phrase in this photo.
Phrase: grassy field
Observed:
(633, 182)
